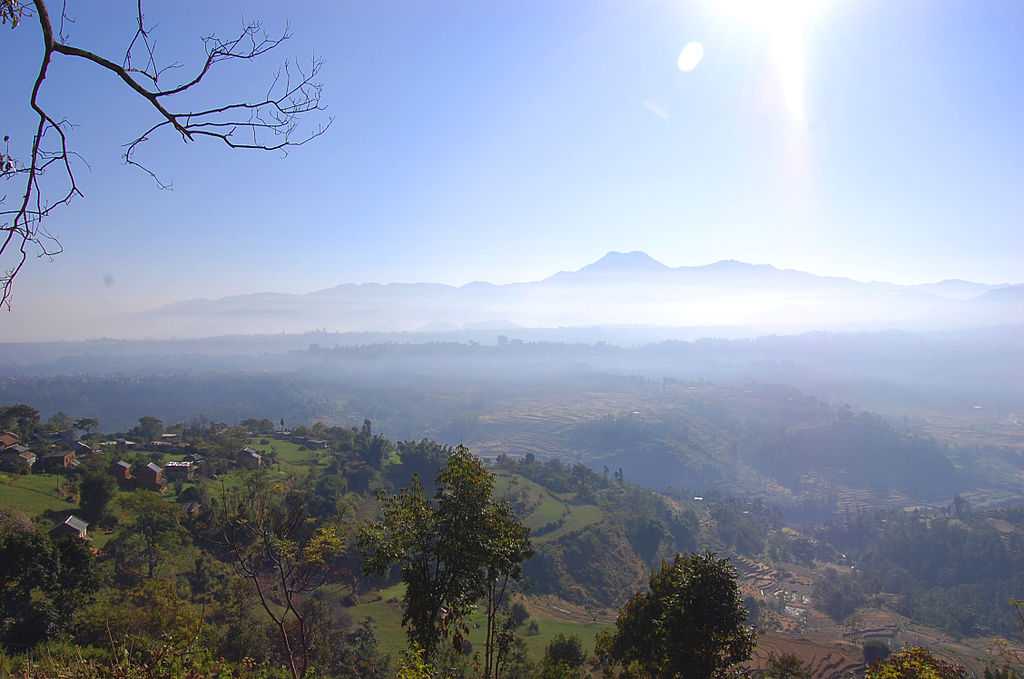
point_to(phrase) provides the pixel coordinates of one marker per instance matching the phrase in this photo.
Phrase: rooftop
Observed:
(76, 523)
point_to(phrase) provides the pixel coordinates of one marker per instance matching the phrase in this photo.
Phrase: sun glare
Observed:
(690, 57)
(785, 22)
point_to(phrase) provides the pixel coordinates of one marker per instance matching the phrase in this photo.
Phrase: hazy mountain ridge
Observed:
(619, 289)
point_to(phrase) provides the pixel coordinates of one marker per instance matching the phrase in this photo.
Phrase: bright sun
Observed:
(786, 23)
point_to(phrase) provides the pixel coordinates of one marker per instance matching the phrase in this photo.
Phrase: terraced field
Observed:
(546, 508)
(827, 660)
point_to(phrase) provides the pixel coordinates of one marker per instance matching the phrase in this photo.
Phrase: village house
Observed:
(151, 477)
(250, 459)
(73, 527)
(14, 458)
(8, 439)
(82, 449)
(59, 461)
(122, 471)
(179, 471)
(308, 441)
(199, 465)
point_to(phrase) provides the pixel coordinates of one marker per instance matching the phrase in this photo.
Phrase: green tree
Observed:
(274, 545)
(786, 666)
(140, 615)
(354, 654)
(149, 428)
(423, 458)
(87, 424)
(875, 650)
(839, 595)
(95, 492)
(915, 663)
(563, 658)
(453, 550)
(565, 649)
(42, 583)
(413, 665)
(59, 421)
(507, 546)
(20, 418)
(691, 623)
(258, 426)
(518, 615)
(155, 533)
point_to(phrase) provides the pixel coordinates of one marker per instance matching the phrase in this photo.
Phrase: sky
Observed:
(506, 141)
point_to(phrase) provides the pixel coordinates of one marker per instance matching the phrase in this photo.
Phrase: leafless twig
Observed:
(267, 123)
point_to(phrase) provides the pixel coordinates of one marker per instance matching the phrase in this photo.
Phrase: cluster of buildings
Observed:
(155, 477)
(59, 452)
(62, 451)
(152, 476)
(13, 453)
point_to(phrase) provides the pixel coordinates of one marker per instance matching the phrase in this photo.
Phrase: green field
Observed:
(387, 614)
(292, 461)
(32, 494)
(36, 494)
(291, 457)
(547, 507)
(580, 516)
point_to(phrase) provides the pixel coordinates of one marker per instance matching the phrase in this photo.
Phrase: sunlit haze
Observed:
(481, 339)
(502, 143)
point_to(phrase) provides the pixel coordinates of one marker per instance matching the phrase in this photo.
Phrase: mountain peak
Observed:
(735, 264)
(625, 262)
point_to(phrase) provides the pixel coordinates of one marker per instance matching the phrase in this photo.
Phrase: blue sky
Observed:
(506, 141)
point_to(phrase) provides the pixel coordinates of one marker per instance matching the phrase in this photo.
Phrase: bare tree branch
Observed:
(266, 123)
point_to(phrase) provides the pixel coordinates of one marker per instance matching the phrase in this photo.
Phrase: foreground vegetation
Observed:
(346, 554)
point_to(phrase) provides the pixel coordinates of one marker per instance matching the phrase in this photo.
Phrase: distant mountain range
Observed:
(620, 289)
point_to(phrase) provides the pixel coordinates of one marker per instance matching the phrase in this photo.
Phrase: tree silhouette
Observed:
(267, 122)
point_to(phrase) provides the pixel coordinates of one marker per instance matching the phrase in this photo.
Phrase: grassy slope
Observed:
(292, 458)
(387, 614)
(546, 507)
(32, 494)
(35, 494)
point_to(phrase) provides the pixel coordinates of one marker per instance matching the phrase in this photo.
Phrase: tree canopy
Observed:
(450, 548)
(691, 623)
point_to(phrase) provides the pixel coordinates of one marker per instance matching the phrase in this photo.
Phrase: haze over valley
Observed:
(632, 289)
(549, 340)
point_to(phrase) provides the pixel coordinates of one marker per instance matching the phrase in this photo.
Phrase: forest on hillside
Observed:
(294, 560)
